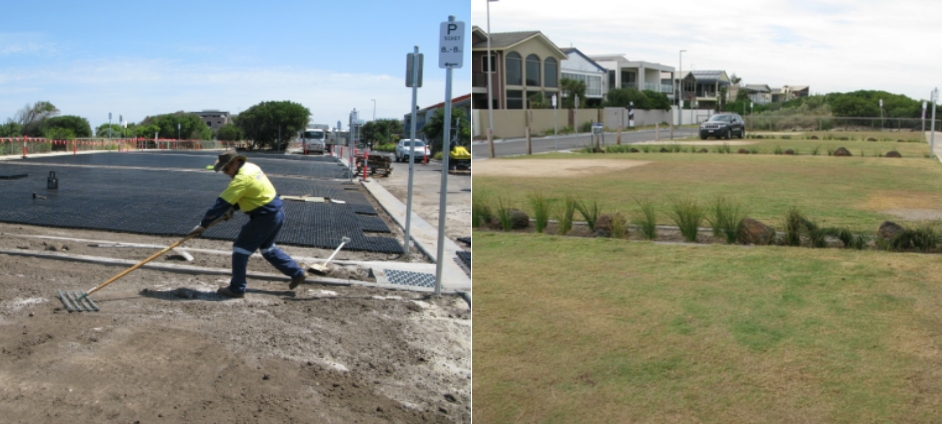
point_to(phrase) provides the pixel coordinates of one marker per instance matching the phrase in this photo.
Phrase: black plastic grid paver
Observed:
(163, 202)
(465, 257)
(300, 165)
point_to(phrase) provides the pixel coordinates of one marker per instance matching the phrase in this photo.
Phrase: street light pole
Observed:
(935, 99)
(374, 109)
(490, 82)
(680, 91)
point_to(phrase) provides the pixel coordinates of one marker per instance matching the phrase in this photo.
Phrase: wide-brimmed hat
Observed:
(226, 158)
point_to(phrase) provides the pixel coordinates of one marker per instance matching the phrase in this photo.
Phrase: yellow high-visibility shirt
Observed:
(249, 189)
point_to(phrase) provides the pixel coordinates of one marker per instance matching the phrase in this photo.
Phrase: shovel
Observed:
(322, 269)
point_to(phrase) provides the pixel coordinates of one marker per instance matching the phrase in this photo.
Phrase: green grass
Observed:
(687, 215)
(851, 192)
(718, 334)
(646, 219)
(541, 210)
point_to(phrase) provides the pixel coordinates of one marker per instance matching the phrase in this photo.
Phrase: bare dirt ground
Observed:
(165, 348)
(563, 168)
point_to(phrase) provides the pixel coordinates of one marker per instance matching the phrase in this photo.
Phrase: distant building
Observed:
(789, 92)
(577, 66)
(214, 118)
(422, 115)
(525, 63)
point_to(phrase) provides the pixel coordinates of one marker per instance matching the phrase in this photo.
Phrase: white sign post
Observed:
(555, 136)
(450, 53)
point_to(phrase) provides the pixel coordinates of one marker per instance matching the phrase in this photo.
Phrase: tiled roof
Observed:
(501, 40)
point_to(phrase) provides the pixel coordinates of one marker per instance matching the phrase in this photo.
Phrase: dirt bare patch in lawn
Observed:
(563, 168)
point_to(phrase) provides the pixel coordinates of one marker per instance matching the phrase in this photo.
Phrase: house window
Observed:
(514, 69)
(550, 72)
(533, 70)
(487, 65)
(514, 99)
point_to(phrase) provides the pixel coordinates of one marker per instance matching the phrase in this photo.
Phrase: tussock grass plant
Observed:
(816, 150)
(541, 210)
(481, 213)
(726, 219)
(687, 214)
(850, 240)
(754, 150)
(647, 220)
(504, 214)
(645, 148)
(924, 238)
(778, 150)
(830, 151)
(565, 215)
(590, 212)
(619, 225)
(797, 225)
(724, 148)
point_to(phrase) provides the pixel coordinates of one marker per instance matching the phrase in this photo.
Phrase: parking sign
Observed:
(451, 45)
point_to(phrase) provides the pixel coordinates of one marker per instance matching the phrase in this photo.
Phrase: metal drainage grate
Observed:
(410, 278)
(77, 301)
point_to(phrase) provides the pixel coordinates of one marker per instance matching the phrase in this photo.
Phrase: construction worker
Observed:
(252, 193)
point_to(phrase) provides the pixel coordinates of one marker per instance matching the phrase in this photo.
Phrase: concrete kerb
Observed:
(425, 237)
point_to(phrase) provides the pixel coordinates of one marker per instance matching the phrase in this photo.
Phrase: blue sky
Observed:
(829, 45)
(136, 59)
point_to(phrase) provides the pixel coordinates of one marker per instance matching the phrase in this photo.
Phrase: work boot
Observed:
(225, 292)
(297, 281)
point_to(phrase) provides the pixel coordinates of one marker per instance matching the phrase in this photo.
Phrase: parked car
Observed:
(723, 125)
(404, 148)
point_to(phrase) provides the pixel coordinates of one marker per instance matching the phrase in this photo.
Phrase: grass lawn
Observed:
(610, 331)
(857, 193)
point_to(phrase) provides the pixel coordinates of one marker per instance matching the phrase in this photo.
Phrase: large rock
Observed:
(703, 150)
(742, 151)
(604, 223)
(893, 154)
(755, 232)
(519, 219)
(790, 151)
(841, 152)
(888, 229)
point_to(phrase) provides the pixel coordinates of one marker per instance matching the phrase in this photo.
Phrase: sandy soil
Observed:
(165, 348)
(563, 168)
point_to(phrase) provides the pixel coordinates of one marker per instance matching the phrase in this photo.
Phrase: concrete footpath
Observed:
(423, 234)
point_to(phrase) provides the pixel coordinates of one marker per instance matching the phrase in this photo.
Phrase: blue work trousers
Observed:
(259, 234)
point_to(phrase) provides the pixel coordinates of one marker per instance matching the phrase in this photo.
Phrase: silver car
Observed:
(404, 149)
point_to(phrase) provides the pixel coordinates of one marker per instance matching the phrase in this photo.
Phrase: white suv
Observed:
(404, 149)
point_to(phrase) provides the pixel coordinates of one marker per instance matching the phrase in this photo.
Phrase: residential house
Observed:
(577, 66)
(702, 89)
(759, 94)
(524, 63)
(623, 73)
(787, 92)
(423, 115)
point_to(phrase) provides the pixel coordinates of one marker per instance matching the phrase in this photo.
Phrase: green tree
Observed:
(435, 126)
(10, 129)
(657, 100)
(32, 116)
(569, 89)
(59, 133)
(622, 97)
(381, 131)
(261, 123)
(190, 126)
(146, 131)
(76, 124)
(102, 130)
(540, 101)
(230, 132)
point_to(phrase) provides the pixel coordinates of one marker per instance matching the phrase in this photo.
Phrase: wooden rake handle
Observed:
(152, 257)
